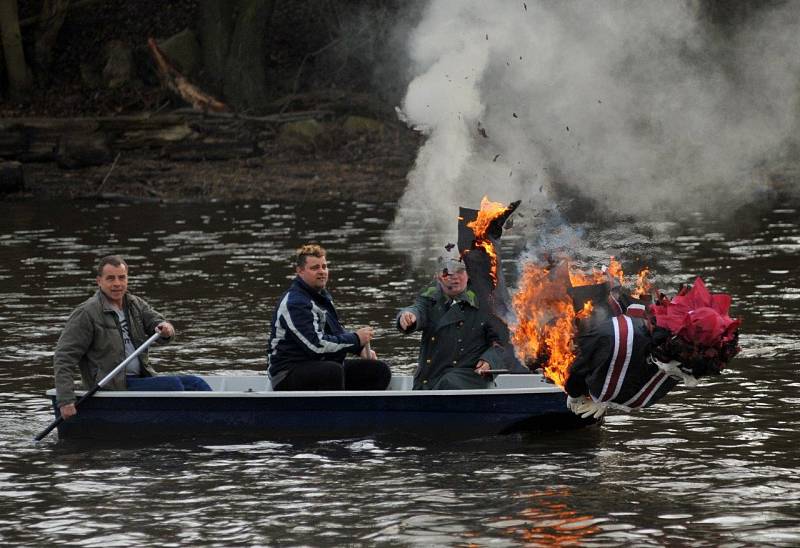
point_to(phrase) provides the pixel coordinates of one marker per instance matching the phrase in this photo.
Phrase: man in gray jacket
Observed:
(459, 347)
(102, 331)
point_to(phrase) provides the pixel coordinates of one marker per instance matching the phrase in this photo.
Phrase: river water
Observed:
(716, 465)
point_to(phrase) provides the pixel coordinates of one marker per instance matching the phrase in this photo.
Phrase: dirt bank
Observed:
(280, 162)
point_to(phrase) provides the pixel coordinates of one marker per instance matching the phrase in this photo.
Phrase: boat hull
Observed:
(459, 414)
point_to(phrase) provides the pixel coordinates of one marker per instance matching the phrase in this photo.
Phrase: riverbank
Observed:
(186, 156)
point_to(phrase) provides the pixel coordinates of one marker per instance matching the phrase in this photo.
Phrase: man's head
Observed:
(311, 266)
(452, 276)
(112, 278)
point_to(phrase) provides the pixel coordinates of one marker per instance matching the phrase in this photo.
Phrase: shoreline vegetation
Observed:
(203, 100)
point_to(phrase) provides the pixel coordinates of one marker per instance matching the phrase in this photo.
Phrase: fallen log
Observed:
(179, 84)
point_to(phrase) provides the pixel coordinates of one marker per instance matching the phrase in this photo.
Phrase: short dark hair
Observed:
(113, 260)
(307, 250)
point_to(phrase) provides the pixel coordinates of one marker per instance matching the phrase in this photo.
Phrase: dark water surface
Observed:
(716, 465)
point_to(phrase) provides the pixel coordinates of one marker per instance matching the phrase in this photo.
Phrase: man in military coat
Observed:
(459, 346)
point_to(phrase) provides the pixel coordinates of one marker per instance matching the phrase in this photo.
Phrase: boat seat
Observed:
(401, 382)
(250, 383)
(520, 381)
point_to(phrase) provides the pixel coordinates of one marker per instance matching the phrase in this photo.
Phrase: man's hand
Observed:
(368, 354)
(407, 319)
(68, 410)
(166, 330)
(483, 368)
(365, 335)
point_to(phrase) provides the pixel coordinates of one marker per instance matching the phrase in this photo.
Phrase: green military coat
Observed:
(455, 335)
(92, 342)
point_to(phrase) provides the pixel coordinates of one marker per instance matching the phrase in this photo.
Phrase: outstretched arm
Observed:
(415, 317)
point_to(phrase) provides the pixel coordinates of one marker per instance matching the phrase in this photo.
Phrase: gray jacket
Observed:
(92, 342)
(452, 336)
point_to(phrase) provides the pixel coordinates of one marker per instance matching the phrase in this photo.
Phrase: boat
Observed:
(245, 407)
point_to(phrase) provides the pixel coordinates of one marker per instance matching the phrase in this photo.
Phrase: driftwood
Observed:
(179, 84)
(103, 182)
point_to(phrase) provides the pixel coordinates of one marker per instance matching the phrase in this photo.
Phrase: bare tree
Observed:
(232, 37)
(50, 22)
(19, 79)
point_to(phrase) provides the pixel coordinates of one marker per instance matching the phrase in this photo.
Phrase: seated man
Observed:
(308, 344)
(102, 331)
(459, 347)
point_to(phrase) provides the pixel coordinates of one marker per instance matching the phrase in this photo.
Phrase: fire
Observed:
(615, 271)
(545, 321)
(488, 212)
(577, 277)
(643, 284)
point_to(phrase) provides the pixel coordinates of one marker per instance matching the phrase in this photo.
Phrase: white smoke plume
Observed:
(641, 107)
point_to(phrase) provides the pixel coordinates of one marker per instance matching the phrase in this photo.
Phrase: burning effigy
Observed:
(607, 340)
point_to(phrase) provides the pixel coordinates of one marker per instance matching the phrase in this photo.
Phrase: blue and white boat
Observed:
(245, 407)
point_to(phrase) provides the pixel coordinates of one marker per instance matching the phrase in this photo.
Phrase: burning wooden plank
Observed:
(479, 233)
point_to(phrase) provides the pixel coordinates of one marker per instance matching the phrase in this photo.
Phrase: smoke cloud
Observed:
(643, 109)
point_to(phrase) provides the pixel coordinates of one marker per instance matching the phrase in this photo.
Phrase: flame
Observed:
(545, 322)
(488, 212)
(577, 278)
(643, 284)
(615, 272)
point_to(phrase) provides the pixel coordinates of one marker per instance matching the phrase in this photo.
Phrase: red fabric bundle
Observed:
(697, 316)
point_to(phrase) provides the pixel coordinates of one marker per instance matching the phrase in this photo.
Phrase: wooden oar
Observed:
(100, 385)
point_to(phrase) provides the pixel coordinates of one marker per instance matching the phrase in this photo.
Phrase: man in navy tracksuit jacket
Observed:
(308, 344)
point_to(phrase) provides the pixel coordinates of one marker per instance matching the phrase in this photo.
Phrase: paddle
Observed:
(100, 385)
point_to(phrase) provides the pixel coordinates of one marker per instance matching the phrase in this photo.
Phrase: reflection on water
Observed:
(710, 466)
